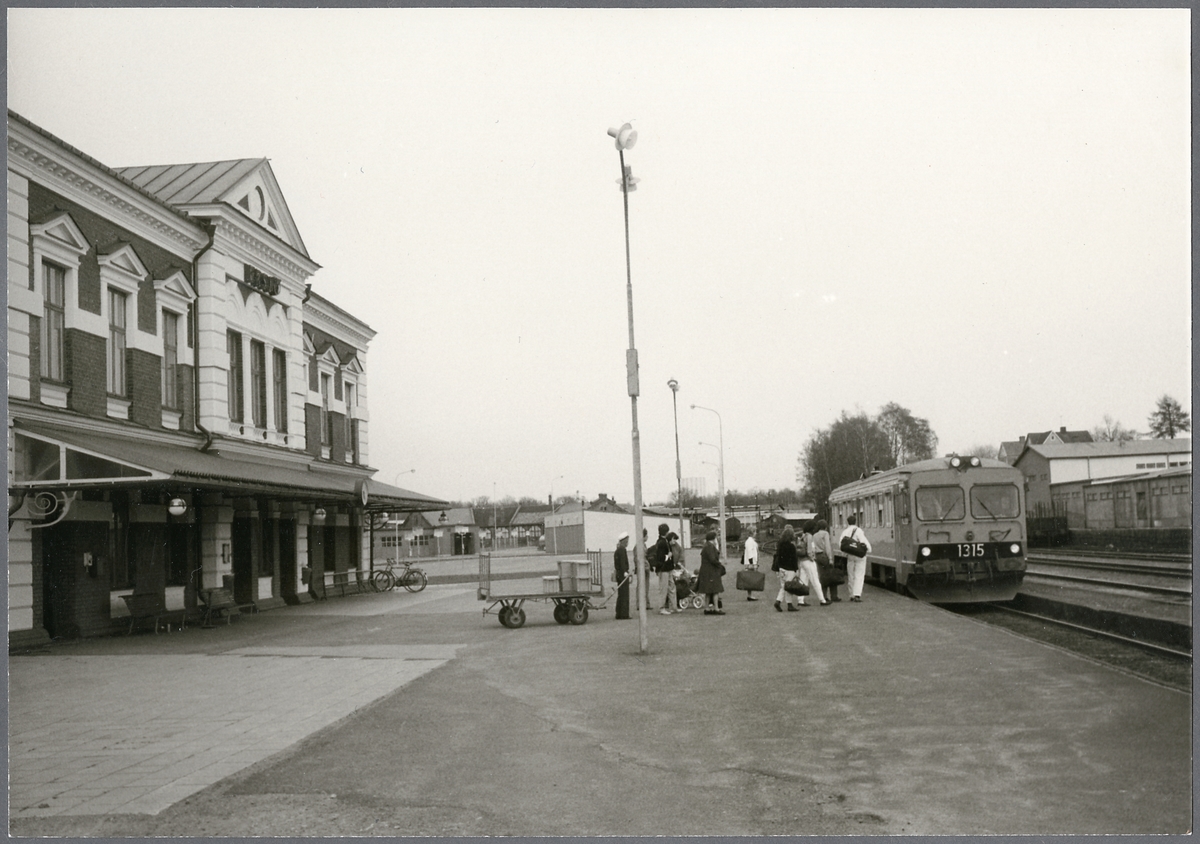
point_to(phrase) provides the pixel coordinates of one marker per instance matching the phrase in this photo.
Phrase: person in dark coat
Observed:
(621, 568)
(709, 582)
(786, 565)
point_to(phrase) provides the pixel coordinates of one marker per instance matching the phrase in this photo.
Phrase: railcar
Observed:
(947, 530)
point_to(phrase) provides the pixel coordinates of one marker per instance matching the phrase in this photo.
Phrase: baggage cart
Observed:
(573, 592)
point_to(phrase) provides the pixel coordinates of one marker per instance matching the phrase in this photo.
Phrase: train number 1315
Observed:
(973, 550)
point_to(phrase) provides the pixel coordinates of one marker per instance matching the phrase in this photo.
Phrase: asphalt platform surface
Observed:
(401, 714)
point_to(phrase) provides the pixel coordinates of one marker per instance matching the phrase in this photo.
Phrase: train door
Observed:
(902, 520)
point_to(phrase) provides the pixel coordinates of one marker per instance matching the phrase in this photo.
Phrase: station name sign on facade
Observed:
(260, 281)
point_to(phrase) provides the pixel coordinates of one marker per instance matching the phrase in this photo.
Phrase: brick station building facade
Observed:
(185, 411)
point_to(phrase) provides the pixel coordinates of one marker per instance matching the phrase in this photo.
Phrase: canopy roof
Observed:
(53, 456)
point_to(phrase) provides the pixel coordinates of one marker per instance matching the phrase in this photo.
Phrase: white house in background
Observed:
(573, 528)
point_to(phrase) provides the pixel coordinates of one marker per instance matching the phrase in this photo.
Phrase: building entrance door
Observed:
(243, 560)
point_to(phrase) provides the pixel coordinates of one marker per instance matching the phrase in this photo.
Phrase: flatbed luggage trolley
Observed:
(572, 591)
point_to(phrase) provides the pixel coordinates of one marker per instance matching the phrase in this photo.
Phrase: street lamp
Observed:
(625, 138)
(674, 385)
(552, 480)
(396, 482)
(720, 475)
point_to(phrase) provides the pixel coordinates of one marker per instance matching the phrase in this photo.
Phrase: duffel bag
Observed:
(752, 581)
(796, 586)
(831, 576)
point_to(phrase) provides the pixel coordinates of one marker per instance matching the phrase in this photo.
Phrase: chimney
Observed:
(1063, 429)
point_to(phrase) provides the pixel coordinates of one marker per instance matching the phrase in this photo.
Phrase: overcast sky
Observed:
(982, 215)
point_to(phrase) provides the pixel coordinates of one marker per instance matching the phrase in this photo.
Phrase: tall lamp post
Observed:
(674, 385)
(396, 482)
(625, 138)
(720, 474)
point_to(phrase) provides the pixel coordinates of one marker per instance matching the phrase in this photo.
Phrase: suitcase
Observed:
(751, 581)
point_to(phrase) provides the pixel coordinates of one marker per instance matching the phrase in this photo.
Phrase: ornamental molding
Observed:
(102, 193)
(243, 246)
(341, 329)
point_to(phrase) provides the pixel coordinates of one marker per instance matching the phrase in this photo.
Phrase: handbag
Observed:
(751, 581)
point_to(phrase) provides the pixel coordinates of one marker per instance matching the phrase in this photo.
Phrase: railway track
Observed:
(1159, 663)
(1159, 575)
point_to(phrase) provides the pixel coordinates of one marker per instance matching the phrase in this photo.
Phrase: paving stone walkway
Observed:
(97, 734)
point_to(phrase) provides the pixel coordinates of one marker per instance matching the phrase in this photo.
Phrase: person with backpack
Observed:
(855, 545)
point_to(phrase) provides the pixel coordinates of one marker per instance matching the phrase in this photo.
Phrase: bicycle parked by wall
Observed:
(388, 578)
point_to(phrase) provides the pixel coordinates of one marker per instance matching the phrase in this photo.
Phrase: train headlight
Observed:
(955, 462)
(975, 461)
(1015, 548)
(925, 551)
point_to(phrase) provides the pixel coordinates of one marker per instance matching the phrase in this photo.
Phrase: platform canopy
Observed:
(56, 457)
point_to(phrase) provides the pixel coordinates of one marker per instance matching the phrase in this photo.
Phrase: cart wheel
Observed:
(684, 603)
(698, 601)
(562, 613)
(578, 614)
(516, 617)
(503, 614)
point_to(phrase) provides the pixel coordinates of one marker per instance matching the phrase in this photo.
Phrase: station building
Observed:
(185, 412)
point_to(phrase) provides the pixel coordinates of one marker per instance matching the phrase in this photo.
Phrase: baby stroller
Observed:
(685, 589)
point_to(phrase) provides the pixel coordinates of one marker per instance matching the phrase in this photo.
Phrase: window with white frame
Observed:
(170, 359)
(54, 281)
(233, 344)
(279, 377)
(258, 383)
(326, 432)
(117, 320)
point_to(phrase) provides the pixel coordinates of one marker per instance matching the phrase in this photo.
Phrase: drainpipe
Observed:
(208, 437)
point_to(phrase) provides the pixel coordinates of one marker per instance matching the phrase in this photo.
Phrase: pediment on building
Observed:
(123, 258)
(259, 197)
(61, 228)
(246, 184)
(175, 285)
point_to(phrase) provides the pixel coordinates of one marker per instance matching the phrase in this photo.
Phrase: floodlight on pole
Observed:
(625, 137)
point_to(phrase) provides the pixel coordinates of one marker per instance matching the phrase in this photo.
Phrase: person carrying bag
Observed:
(855, 545)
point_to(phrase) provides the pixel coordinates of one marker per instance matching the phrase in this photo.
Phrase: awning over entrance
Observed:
(60, 457)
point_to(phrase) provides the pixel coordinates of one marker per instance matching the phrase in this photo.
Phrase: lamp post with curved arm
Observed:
(674, 385)
(625, 138)
(720, 474)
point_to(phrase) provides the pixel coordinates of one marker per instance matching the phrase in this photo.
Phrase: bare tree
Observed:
(989, 451)
(1168, 419)
(1113, 431)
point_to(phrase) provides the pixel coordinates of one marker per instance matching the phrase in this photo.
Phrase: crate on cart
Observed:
(576, 576)
(571, 591)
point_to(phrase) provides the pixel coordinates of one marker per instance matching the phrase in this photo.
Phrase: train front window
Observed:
(940, 503)
(995, 501)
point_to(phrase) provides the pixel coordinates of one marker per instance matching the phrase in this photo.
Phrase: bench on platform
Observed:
(152, 606)
(346, 582)
(220, 603)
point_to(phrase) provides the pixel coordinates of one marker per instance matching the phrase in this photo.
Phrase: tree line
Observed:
(855, 445)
